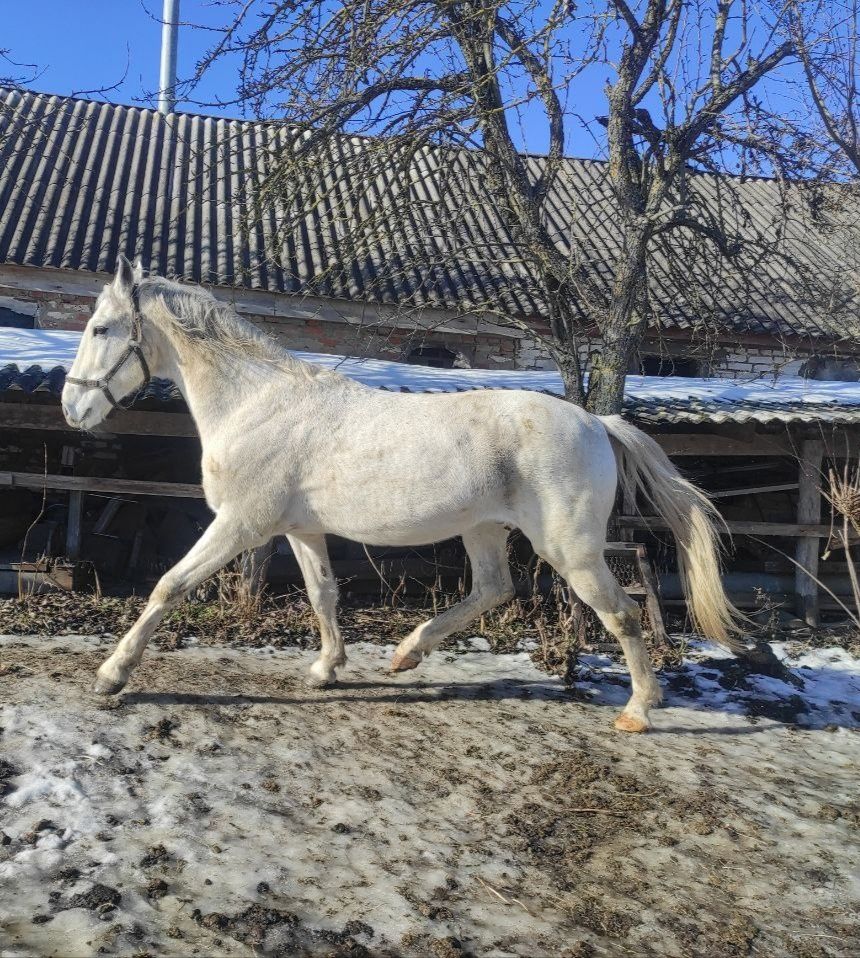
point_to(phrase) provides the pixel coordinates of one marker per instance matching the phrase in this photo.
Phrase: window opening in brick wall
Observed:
(668, 366)
(9, 317)
(437, 356)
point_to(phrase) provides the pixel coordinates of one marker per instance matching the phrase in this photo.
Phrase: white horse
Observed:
(292, 449)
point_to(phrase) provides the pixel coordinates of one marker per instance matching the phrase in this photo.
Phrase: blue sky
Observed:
(84, 45)
(79, 46)
(113, 46)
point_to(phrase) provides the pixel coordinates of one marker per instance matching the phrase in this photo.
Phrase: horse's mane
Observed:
(197, 316)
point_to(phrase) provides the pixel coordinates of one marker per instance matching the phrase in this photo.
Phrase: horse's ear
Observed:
(124, 279)
(138, 269)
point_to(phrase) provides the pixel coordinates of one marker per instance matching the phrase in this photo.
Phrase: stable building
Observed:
(754, 403)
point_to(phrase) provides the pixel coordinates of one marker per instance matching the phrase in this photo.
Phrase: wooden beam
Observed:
(107, 516)
(131, 487)
(737, 527)
(50, 417)
(652, 600)
(73, 526)
(752, 490)
(808, 511)
(709, 444)
(31, 578)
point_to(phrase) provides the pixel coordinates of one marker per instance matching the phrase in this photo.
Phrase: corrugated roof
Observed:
(81, 181)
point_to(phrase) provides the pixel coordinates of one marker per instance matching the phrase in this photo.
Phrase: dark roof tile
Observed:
(82, 181)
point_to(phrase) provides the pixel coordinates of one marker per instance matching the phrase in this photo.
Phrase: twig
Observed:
(501, 897)
(597, 811)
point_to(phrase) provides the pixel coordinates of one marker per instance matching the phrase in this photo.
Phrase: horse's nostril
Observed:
(67, 412)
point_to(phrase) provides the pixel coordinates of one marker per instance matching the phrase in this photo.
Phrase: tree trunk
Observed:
(606, 384)
(624, 329)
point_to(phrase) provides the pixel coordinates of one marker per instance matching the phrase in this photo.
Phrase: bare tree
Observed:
(400, 109)
(12, 73)
(826, 35)
(823, 136)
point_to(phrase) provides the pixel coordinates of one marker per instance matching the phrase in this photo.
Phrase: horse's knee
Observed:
(167, 592)
(630, 621)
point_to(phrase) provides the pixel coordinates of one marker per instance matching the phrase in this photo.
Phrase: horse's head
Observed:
(110, 363)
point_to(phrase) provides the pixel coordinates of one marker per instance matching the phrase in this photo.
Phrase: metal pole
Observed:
(169, 40)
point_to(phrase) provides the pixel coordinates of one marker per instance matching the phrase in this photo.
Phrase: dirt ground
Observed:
(476, 806)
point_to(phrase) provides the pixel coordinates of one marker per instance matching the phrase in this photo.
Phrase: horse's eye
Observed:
(99, 330)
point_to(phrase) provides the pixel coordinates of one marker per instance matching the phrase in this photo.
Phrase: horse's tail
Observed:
(693, 520)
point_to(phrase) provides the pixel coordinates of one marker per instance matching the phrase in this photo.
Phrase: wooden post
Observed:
(652, 599)
(808, 511)
(107, 516)
(73, 528)
(254, 566)
(628, 507)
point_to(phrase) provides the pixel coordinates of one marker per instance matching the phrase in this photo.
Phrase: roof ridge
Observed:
(6, 90)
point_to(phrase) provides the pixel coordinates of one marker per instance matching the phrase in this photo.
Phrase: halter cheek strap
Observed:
(133, 348)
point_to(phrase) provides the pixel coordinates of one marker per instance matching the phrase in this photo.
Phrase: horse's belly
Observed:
(412, 515)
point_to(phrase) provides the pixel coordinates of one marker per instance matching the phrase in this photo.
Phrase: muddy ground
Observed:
(477, 806)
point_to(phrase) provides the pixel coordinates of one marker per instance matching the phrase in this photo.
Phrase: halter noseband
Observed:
(133, 348)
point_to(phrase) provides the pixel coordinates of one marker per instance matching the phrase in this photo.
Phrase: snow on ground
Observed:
(221, 807)
(50, 348)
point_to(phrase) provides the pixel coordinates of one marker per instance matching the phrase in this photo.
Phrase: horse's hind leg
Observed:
(491, 585)
(590, 578)
(312, 555)
(575, 548)
(222, 541)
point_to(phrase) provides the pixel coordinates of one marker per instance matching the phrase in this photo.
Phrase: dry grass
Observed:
(225, 611)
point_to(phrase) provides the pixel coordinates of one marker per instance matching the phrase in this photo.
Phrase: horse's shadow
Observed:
(374, 690)
(757, 701)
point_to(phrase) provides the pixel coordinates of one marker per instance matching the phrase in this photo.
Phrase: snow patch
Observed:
(51, 348)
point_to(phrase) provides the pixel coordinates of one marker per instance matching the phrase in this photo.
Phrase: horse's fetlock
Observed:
(321, 673)
(654, 694)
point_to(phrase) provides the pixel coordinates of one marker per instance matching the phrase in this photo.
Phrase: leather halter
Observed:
(133, 348)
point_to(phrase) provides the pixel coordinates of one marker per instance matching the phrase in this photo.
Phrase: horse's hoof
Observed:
(629, 723)
(320, 676)
(404, 661)
(108, 687)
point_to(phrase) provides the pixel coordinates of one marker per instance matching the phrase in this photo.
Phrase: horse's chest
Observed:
(238, 478)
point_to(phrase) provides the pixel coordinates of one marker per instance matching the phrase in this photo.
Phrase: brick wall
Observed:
(65, 310)
(758, 362)
(53, 310)
(56, 310)
(741, 363)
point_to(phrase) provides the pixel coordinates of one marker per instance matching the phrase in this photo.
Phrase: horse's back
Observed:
(487, 456)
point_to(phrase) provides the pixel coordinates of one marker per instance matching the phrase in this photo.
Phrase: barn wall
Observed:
(741, 362)
(64, 300)
(757, 362)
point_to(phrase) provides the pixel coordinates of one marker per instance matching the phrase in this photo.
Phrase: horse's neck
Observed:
(211, 391)
(215, 385)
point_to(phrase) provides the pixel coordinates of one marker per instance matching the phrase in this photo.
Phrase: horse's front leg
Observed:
(223, 540)
(312, 555)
